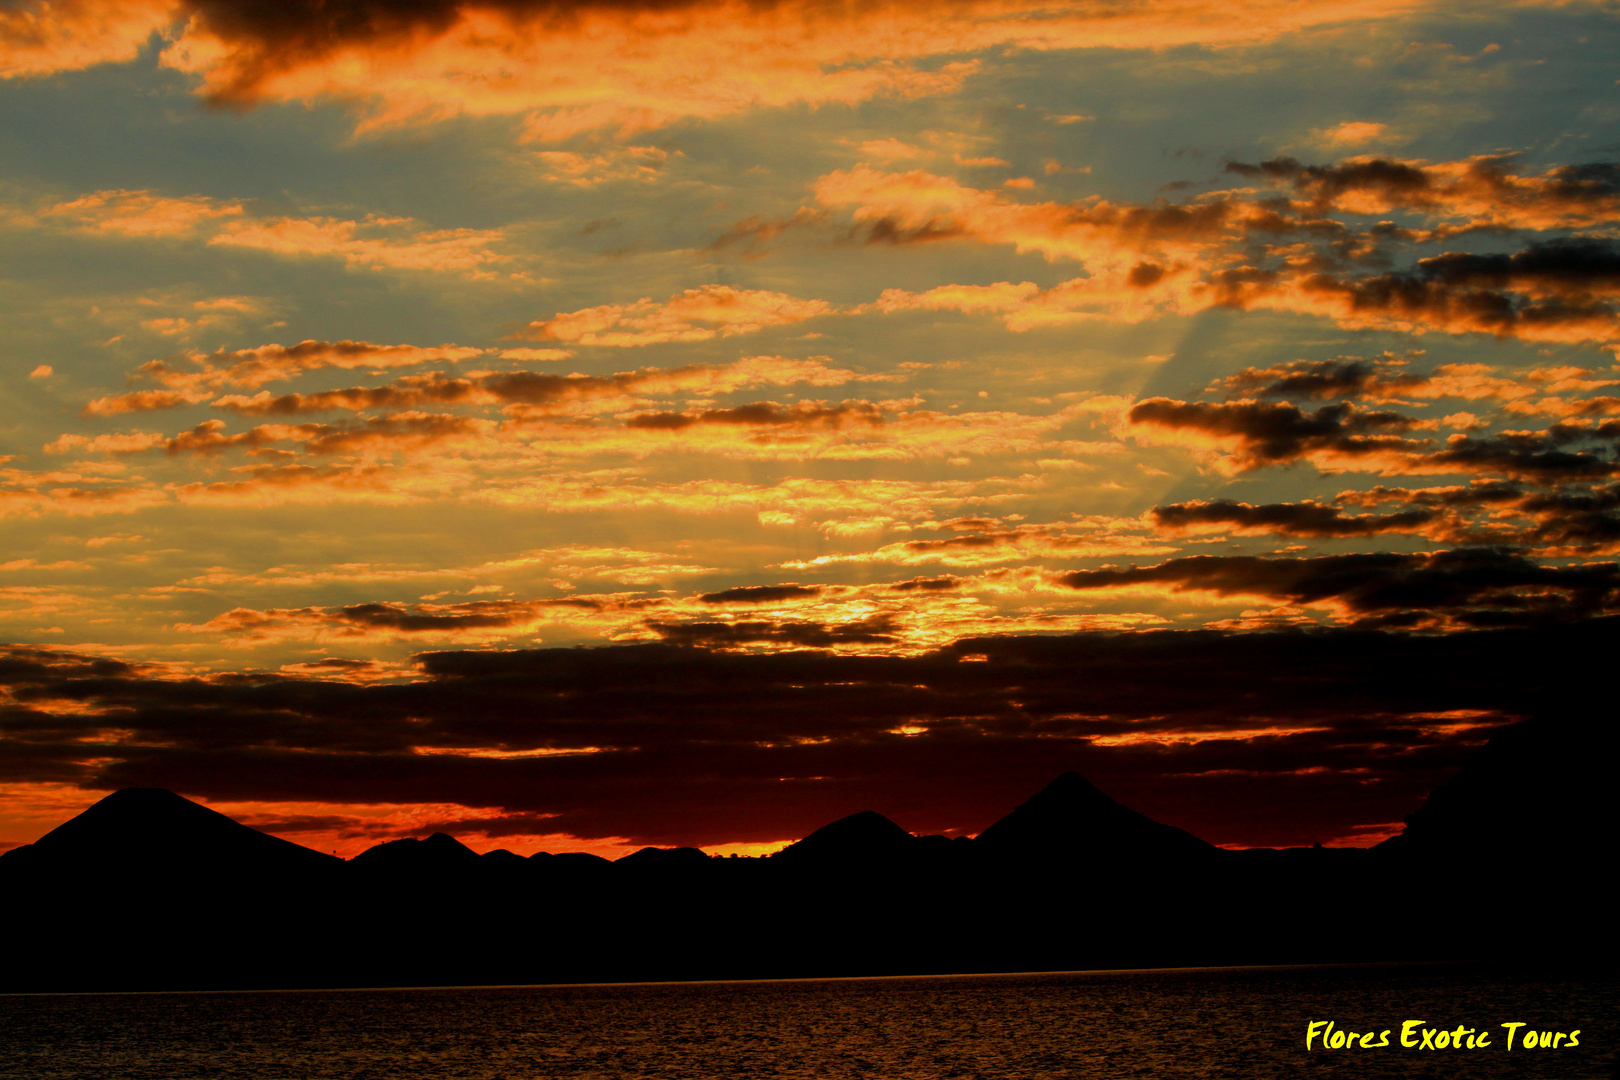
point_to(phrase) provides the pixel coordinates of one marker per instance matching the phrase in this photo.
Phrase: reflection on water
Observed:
(1248, 1024)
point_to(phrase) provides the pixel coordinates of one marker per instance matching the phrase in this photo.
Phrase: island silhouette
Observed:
(1508, 860)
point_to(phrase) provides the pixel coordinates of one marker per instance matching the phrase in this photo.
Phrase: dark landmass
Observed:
(1508, 860)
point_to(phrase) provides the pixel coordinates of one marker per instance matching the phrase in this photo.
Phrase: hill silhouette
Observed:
(441, 851)
(147, 890)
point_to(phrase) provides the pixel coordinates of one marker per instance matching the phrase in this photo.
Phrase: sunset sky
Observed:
(579, 425)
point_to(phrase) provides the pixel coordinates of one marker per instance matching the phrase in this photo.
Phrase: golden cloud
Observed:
(693, 315)
(268, 363)
(376, 243)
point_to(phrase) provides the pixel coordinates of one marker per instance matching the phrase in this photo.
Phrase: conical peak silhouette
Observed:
(156, 826)
(1072, 816)
(865, 835)
(1072, 789)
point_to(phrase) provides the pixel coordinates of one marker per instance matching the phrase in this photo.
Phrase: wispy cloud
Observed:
(693, 315)
(375, 243)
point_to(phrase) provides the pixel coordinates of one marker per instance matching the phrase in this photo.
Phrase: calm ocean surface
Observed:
(1246, 1023)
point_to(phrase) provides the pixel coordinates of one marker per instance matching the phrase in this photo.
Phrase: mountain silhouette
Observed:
(1070, 819)
(148, 890)
(150, 831)
(652, 858)
(1545, 785)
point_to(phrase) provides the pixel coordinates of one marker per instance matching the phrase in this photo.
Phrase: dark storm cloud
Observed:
(475, 614)
(364, 620)
(1575, 265)
(1258, 433)
(810, 414)
(1479, 493)
(1473, 585)
(272, 36)
(927, 584)
(1276, 432)
(668, 744)
(1315, 379)
(1580, 519)
(812, 635)
(1537, 291)
(19, 663)
(1323, 379)
(1397, 181)
(1567, 517)
(761, 594)
(1425, 298)
(1538, 455)
(493, 388)
(1559, 288)
(1488, 179)
(1307, 518)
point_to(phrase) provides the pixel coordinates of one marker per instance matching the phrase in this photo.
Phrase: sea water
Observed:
(1244, 1023)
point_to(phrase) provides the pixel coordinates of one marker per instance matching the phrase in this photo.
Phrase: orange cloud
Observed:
(25, 495)
(641, 163)
(895, 618)
(918, 206)
(1352, 133)
(694, 315)
(630, 566)
(123, 443)
(905, 617)
(985, 544)
(386, 243)
(267, 363)
(1385, 380)
(401, 432)
(1567, 409)
(530, 395)
(535, 354)
(1415, 304)
(472, 620)
(629, 67)
(1235, 436)
(786, 502)
(1115, 293)
(850, 430)
(277, 485)
(203, 314)
(1303, 519)
(372, 243)
(1228, 249)
(70, 35)
(141, 213)
(1480, 191)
